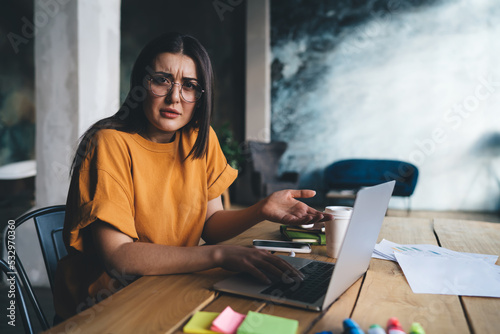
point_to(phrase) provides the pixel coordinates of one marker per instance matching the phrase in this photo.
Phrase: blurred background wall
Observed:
(220, 29)
(17, 109)
(413, 80)
(416, 80)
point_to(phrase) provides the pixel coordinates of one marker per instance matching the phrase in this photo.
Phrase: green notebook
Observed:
(259, 323)
(294, 233)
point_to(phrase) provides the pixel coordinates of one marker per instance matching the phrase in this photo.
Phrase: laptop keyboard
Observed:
(317, 277)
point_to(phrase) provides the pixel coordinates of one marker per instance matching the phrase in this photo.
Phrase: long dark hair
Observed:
(131, 118)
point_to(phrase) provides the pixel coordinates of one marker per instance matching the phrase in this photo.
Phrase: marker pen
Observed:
(376, 329)
(350, 327)
(416, 328)
(394, 327)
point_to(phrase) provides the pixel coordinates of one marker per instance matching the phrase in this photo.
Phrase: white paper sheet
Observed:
(450, 275)
(386, 249)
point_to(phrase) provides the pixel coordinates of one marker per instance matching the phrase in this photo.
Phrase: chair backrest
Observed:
(357, 173)
(20, 298)
(265, 158)
(49, 225)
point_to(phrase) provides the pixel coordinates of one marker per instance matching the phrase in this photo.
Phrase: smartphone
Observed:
(283, 246)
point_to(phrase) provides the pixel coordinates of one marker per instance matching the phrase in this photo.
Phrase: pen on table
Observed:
(351, 327)
(416, 328)
(376, 329)
(394, 327)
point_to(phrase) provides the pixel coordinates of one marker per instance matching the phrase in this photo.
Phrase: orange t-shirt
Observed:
(144, 189)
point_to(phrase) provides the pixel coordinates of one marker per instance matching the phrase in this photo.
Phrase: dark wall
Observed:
(219, 26)
(17, 111)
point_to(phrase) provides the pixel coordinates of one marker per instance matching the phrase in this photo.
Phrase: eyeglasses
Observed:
(159, 85)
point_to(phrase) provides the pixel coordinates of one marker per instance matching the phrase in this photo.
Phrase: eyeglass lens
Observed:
(191, 91)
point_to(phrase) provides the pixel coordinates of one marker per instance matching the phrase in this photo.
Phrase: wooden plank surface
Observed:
(263, 230)
(163, 304)
(385, 292)
(151, 304)
(474, 237)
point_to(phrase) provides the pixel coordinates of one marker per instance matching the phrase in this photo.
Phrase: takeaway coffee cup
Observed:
(336, 228)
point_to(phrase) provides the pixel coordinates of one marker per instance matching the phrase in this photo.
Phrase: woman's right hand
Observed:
(259, 263)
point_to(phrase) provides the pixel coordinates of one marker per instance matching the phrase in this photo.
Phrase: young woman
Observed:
(146, 186)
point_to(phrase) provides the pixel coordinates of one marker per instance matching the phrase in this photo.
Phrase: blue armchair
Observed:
(345, 177)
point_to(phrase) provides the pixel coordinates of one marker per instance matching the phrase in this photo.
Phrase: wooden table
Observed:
(163, 304)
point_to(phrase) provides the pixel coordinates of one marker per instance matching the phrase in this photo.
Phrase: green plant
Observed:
(229, 146)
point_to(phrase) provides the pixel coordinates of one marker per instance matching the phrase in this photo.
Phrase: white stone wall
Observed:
(77, 57)
(258, 74)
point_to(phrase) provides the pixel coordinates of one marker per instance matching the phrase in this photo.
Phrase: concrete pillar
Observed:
(77, 58)
(258, 72)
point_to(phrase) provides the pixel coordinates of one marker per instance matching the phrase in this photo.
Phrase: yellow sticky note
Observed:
(259, 323)
(200, 323)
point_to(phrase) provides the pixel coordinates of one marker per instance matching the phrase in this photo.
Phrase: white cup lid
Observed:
(339, 211)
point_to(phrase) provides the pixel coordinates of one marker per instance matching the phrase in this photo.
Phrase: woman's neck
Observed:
(158, 136)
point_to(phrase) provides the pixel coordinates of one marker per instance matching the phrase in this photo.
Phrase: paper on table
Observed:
(450, 276)
(386, 249)
(228, 321)
(259, 323)
(200, 323)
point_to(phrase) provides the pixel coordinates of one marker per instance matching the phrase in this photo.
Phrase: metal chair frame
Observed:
(49, 222)
(20, 298)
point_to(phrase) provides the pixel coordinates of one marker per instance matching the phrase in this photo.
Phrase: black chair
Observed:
(345, 177)
(49, 223)
(260, 176)
(19, 297)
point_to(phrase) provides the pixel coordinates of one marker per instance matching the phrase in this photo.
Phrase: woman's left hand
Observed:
(284, 208)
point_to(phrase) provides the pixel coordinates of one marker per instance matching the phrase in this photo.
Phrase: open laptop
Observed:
(325, 282)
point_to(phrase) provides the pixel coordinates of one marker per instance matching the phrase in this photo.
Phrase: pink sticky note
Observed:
(228, 321)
